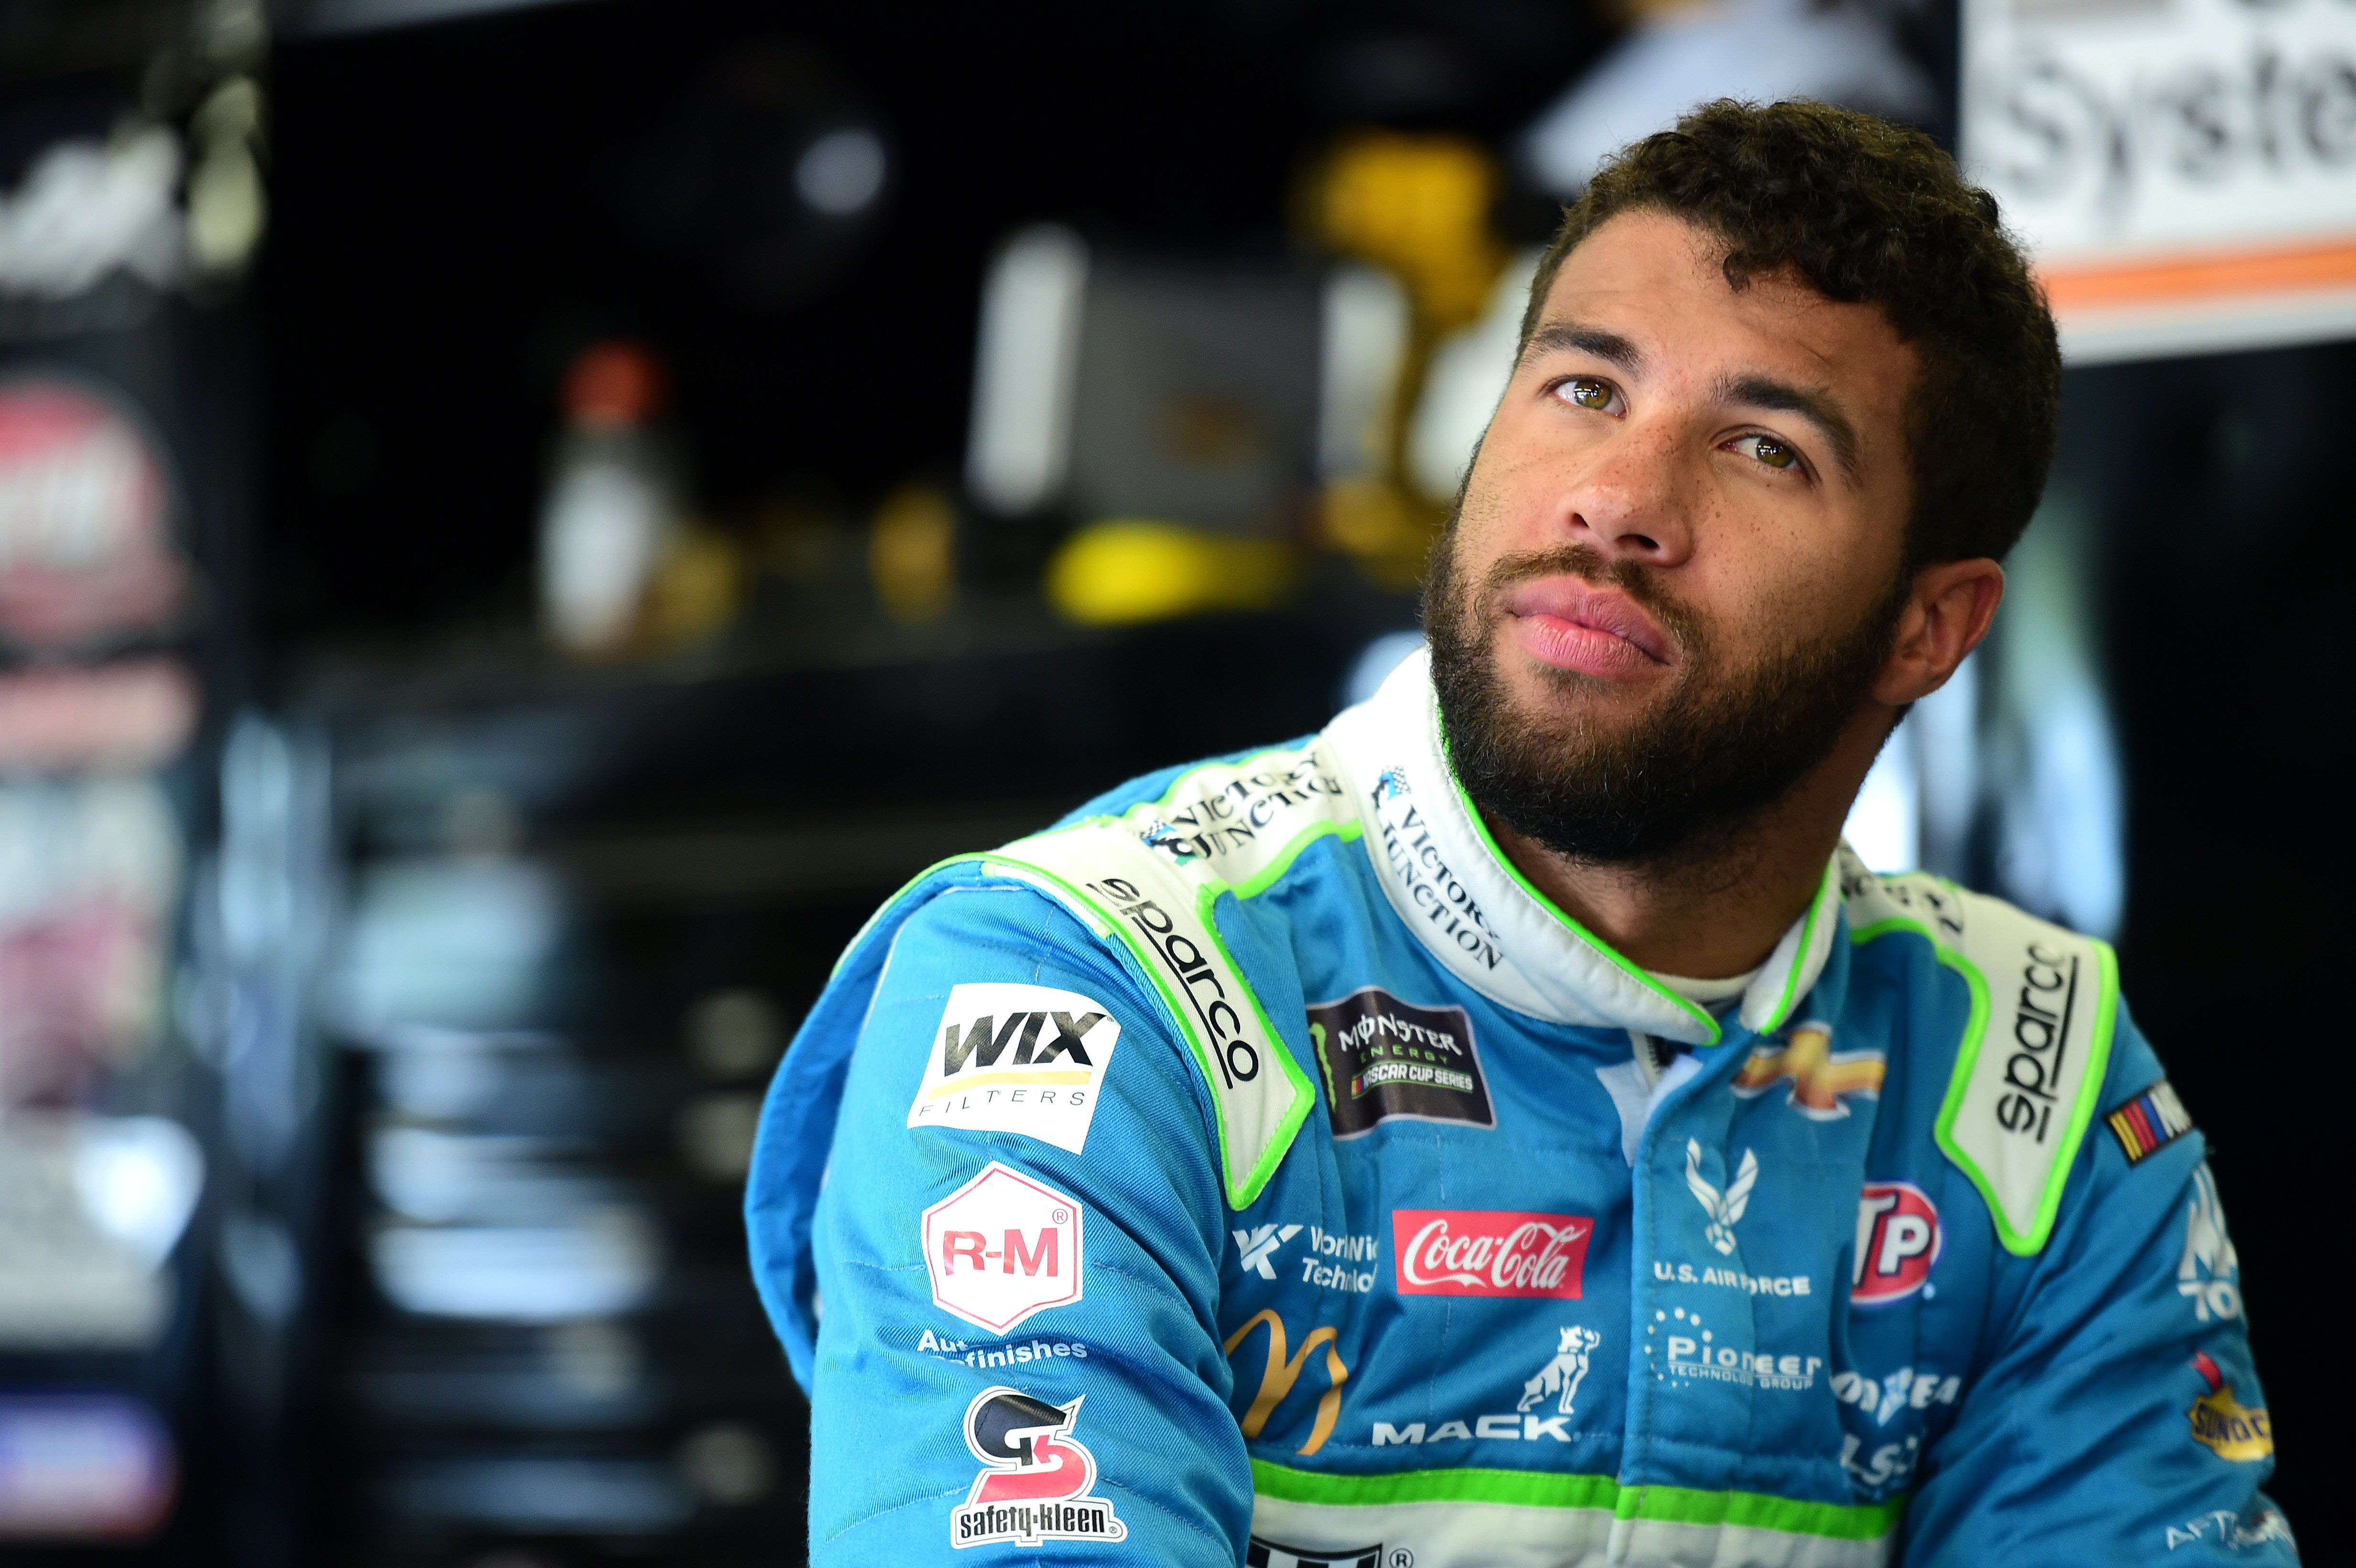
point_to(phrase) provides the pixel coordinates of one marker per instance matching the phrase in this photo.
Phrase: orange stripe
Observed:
(2282, 269)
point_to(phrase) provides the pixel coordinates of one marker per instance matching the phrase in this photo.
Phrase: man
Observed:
(1508, 1127)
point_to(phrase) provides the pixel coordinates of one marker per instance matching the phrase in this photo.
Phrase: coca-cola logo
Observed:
(1489, 1251)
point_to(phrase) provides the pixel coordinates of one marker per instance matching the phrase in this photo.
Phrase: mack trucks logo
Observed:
(1017, 1058)
(1489, 1251)
(1034, 1481)
(2039, 1042)
(1725, 1209)
(2224, 1425)
(1382, 1056)
(1564, 1373)
(1819, 1075)
(1898, 1240)
(1002, 1247)
(1556, 1382)
(1194, 977)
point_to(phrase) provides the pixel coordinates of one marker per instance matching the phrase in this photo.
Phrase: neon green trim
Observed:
(1789, 998)
(1240, 1193)
(1634, 971)
(1251, 887)
(2020, 1243)
(1305, 1092)
(1525, 1489)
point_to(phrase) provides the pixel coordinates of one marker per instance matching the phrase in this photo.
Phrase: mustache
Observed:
(1586, 563)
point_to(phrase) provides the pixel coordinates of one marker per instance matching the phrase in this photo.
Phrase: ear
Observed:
(1945, 616)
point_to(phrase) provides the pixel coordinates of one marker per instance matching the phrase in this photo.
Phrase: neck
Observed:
(1717, 906)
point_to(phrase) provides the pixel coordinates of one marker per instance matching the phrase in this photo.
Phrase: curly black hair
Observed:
(1869, 212)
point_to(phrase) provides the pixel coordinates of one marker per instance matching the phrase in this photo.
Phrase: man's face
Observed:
(1674, 574)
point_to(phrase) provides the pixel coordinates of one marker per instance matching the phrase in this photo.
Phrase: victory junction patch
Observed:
(2148, 1123)
(1383, 1057)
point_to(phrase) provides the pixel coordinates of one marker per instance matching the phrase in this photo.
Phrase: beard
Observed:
(1676, 783)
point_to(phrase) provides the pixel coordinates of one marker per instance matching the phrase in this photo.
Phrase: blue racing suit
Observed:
(1255, 1168)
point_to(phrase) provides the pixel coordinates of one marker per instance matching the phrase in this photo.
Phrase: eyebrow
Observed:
(1816, 408)
(1557, 336)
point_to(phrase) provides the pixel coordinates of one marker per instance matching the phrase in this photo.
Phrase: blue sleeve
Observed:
(1017, 1346)
(2118, 1418)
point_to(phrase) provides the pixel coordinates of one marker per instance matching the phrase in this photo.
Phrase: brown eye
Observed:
(1588, 393)
(1770, 451)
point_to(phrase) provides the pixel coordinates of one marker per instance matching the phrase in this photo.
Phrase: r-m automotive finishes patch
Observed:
(1383, 1057)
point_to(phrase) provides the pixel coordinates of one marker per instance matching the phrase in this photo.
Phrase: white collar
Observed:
(1482, 919)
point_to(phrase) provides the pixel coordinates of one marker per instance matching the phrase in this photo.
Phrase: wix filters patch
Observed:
(1017, 1058)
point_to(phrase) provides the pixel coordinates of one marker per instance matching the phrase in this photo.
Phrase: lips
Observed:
(1576, 626)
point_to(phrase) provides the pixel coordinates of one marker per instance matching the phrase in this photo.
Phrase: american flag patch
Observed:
(2149, 1122)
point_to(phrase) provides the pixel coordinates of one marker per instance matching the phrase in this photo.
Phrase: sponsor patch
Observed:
(1270, 1554)
(1281, 1371)
(1384, 1058)
(1904, 1389)
(1821, 1078)
(2148, 1123)
(1257, 1246)
(1547, 1407)
(1732, 1279)
(1003, 1354)
(2222, 1527)
(1725, 1208)
(1036, 1480)
(1017, 1058)
(1693, 1351)
(2222, 1424)
(1002, 1247)
(1489, 1251)
(2209, 1273)
(1898, 1238)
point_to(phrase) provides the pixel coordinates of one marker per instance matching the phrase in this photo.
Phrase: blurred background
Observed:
(520, 524)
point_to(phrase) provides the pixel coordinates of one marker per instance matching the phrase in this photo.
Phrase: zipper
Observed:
(1650, 1058)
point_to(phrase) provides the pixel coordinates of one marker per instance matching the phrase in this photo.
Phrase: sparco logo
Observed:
(1487, 1251)
(1034, 1481)
(1237, 1058)
(1898, 1240)
(2039, 1041)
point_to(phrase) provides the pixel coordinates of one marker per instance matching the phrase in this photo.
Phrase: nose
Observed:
(1631, 499)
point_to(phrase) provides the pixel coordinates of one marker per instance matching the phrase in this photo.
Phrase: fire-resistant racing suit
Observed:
(1256, 1168)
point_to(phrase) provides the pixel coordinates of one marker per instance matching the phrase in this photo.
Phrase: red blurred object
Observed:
(85, 549)
(614, 384)
(121, 717)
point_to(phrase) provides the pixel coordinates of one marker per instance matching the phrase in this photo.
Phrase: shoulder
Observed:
(1147, 879)
(2035, 1049)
